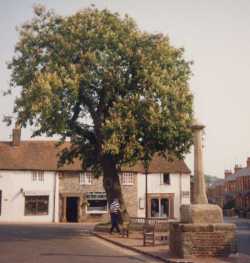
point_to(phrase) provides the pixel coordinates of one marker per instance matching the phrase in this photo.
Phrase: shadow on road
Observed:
(41, 232)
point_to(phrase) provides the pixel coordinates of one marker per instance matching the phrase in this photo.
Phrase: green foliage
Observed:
(96, 78)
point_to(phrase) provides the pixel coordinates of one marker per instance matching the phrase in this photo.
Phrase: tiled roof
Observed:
(231, 177)
(32, 155)
(218, 182)
(161, 165)
(43, 155)
(243, 172)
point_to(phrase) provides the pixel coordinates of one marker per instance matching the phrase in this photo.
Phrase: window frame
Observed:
(37, 176)
(185, 194)
(86, 178)
(90, 197)
(127, 178)
(162, 179)
(36, 202)
(159, 203)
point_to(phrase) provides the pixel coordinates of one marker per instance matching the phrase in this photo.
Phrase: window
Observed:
(165, 178)
(127, 178)
(155, 207)
(185, 194)
(86, 178)
(164, 207)
(159, 207)
(97, 202)
(38, 176)
(34, 176)
(36, 205)
(0, 202)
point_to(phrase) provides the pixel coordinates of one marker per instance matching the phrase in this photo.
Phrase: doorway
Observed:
(72, 209)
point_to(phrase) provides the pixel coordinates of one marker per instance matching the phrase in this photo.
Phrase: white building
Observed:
(168, 188)
(28, 183)
(29, 196)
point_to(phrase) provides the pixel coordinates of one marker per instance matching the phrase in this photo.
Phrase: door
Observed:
(72, 209)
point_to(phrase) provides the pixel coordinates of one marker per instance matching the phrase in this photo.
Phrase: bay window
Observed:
(159, 207)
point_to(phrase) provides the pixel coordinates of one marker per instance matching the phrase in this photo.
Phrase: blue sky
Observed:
(215, 35)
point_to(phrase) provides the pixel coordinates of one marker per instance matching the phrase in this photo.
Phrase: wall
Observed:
(13, 201)
(243, 196)
(70, 185)
(130, 197)
(187, 240)
(178, 184)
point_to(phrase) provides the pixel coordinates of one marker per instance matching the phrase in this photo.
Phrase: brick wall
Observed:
(187, 240)
(130, 197)
(243, 197)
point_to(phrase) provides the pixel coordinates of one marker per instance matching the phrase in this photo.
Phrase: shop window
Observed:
(36, 205)
(165, 178)
(96, 202)
(86, 178)
(159, 207)
(127, 178)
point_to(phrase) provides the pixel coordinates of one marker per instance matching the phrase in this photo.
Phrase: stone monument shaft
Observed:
(200, 196)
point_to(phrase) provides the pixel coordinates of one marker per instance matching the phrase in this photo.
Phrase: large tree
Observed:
(118, 93)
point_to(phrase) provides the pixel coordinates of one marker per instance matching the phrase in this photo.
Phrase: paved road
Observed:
(64, 243)
(242, 232)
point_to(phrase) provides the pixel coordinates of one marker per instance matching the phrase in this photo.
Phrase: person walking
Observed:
(115, 215)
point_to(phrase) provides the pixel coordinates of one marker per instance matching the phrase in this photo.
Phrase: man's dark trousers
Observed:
(115, 222)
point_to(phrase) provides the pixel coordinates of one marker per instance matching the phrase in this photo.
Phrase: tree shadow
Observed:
(12, 232)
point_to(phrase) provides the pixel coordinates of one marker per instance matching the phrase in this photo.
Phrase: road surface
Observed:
(62, 243)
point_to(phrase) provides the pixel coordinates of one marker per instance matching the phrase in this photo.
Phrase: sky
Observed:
(216, 37)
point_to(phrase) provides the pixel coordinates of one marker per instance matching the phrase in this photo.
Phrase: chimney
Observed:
(227, 173)
(237, 168)
(248, 162)
(16, 135)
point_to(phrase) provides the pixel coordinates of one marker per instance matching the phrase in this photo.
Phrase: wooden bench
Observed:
(148, 234)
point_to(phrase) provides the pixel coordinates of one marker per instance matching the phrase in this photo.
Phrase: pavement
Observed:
(161, 250)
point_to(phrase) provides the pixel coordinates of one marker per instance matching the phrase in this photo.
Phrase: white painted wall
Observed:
(178, 184)
(11, 183)
(141, 194)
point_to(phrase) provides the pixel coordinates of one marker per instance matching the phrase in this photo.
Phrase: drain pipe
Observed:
(54, 197)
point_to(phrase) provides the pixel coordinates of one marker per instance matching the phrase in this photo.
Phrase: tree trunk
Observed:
(112, 184)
